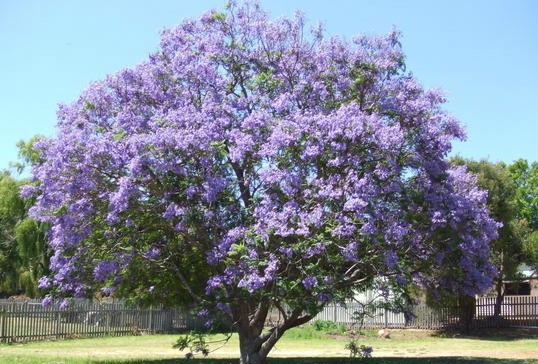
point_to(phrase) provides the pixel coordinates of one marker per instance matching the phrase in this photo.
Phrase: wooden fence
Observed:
(514, 311)
(30, 321)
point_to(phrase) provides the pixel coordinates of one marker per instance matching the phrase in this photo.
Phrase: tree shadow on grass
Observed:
(429, 360)
(495, 334)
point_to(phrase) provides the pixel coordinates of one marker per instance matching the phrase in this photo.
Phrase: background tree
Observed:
(23, 250)
(525, 176)
(249, 166)
(530, 248)
(10, 207)
(507, 249)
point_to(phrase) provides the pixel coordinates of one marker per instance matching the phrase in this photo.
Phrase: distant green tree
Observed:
(29, 156)
(530, 248)
(24, 254)
(525, 176)
(507, 249)
(10, 208)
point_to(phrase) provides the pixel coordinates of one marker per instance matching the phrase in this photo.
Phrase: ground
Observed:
(517, 346)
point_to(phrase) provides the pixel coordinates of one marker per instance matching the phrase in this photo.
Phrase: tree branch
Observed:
(271, 338)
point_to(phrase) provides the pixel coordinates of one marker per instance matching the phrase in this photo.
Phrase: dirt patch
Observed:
(338, 336)
(411, 334)
(407, 334)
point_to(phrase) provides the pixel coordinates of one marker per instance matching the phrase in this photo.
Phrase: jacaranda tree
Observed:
(251, 166)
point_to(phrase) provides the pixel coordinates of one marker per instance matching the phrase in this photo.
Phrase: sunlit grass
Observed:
(299, 346)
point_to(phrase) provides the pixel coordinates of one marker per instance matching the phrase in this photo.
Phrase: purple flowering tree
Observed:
(251, 166)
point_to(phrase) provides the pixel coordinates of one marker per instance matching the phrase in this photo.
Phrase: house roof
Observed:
(527, 271)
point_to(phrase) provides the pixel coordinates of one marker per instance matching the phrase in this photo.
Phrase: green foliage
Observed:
(306, 333)
(328, 326)
(28, 154)
(356, 350)
(196, 342)
(525, 176)
(530, 248)
(120, 134)
(24, 253)
(218, 16)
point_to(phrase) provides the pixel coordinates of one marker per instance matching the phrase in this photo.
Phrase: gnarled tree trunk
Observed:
(255, 343)
(249, 348)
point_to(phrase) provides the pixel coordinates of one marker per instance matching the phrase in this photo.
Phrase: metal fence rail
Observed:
(514, 311)
(376, 316)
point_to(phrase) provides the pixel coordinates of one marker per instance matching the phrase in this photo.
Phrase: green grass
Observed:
(395, 360)
(299, 346)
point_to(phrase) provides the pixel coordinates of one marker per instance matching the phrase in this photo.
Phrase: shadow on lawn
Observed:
(503, 334)
(432, 360)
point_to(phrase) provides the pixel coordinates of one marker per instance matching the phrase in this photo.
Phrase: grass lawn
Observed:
(300, 346)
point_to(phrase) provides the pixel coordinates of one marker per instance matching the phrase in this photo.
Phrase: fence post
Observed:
(150, 328)
(108, 321)
(2, 325)
(58, 322)
(335, 312)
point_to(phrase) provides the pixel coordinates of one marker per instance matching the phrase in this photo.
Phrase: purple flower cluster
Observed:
(310, 282)
(104, 270)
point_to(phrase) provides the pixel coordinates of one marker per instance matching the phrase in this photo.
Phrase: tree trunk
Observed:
(467, 306)
(499, 290)
(250, 348)
(498, 301)
(254, 344)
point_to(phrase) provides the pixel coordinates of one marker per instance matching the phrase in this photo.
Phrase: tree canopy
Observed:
(249, 165)
(525, 176)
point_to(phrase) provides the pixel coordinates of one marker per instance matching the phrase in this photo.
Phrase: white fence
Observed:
(514, 311)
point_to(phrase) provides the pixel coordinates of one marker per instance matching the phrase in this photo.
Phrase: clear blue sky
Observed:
(483, 53)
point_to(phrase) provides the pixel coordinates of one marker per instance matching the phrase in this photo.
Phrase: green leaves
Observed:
(195, 342)
(525, 176)
(23, 250)
(88, 105)
(530, 248)
(119, 134)
(218, 16)
(220, 148)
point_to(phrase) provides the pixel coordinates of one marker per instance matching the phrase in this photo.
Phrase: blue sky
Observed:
(483, 53)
